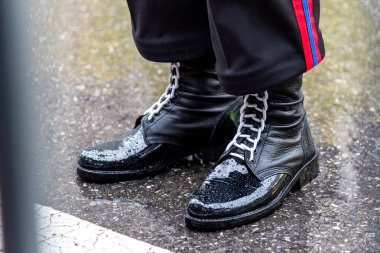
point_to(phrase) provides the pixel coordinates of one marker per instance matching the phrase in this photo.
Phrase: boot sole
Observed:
(304, 176)
(99, 176)
(203, 157)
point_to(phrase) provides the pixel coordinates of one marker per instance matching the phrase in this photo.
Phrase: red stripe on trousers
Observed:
(302, 25)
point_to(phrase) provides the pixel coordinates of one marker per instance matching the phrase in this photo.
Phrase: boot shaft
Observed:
(198, 105)
(285, 103)
(273, 131)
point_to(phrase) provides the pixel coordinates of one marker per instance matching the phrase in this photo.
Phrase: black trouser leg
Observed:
(257, 44)
(170, 30)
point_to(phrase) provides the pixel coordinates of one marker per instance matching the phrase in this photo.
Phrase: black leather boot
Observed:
(192, 117)
(271, 153)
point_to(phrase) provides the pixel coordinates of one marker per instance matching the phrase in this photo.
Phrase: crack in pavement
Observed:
(65, 233)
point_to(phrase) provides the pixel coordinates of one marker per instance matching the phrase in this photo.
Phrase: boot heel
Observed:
(307, 174)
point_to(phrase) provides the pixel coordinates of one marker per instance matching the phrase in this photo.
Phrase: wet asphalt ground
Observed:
(92, 84)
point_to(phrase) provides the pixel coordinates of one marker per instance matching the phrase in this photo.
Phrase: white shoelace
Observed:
(243, 124)
(169, 92)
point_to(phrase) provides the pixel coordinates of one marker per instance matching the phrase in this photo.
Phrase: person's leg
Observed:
(191, 117)
(261, 47)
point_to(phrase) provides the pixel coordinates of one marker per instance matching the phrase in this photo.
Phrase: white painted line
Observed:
(63, 233)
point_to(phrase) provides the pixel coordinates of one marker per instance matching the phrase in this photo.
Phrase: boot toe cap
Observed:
(113, 152)
(94, 157)
(208, 204)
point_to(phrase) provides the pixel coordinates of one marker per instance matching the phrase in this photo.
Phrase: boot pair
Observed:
(259, 159)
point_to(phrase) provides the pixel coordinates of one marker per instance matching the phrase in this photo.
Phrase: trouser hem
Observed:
(169, 53)
(253, 82)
